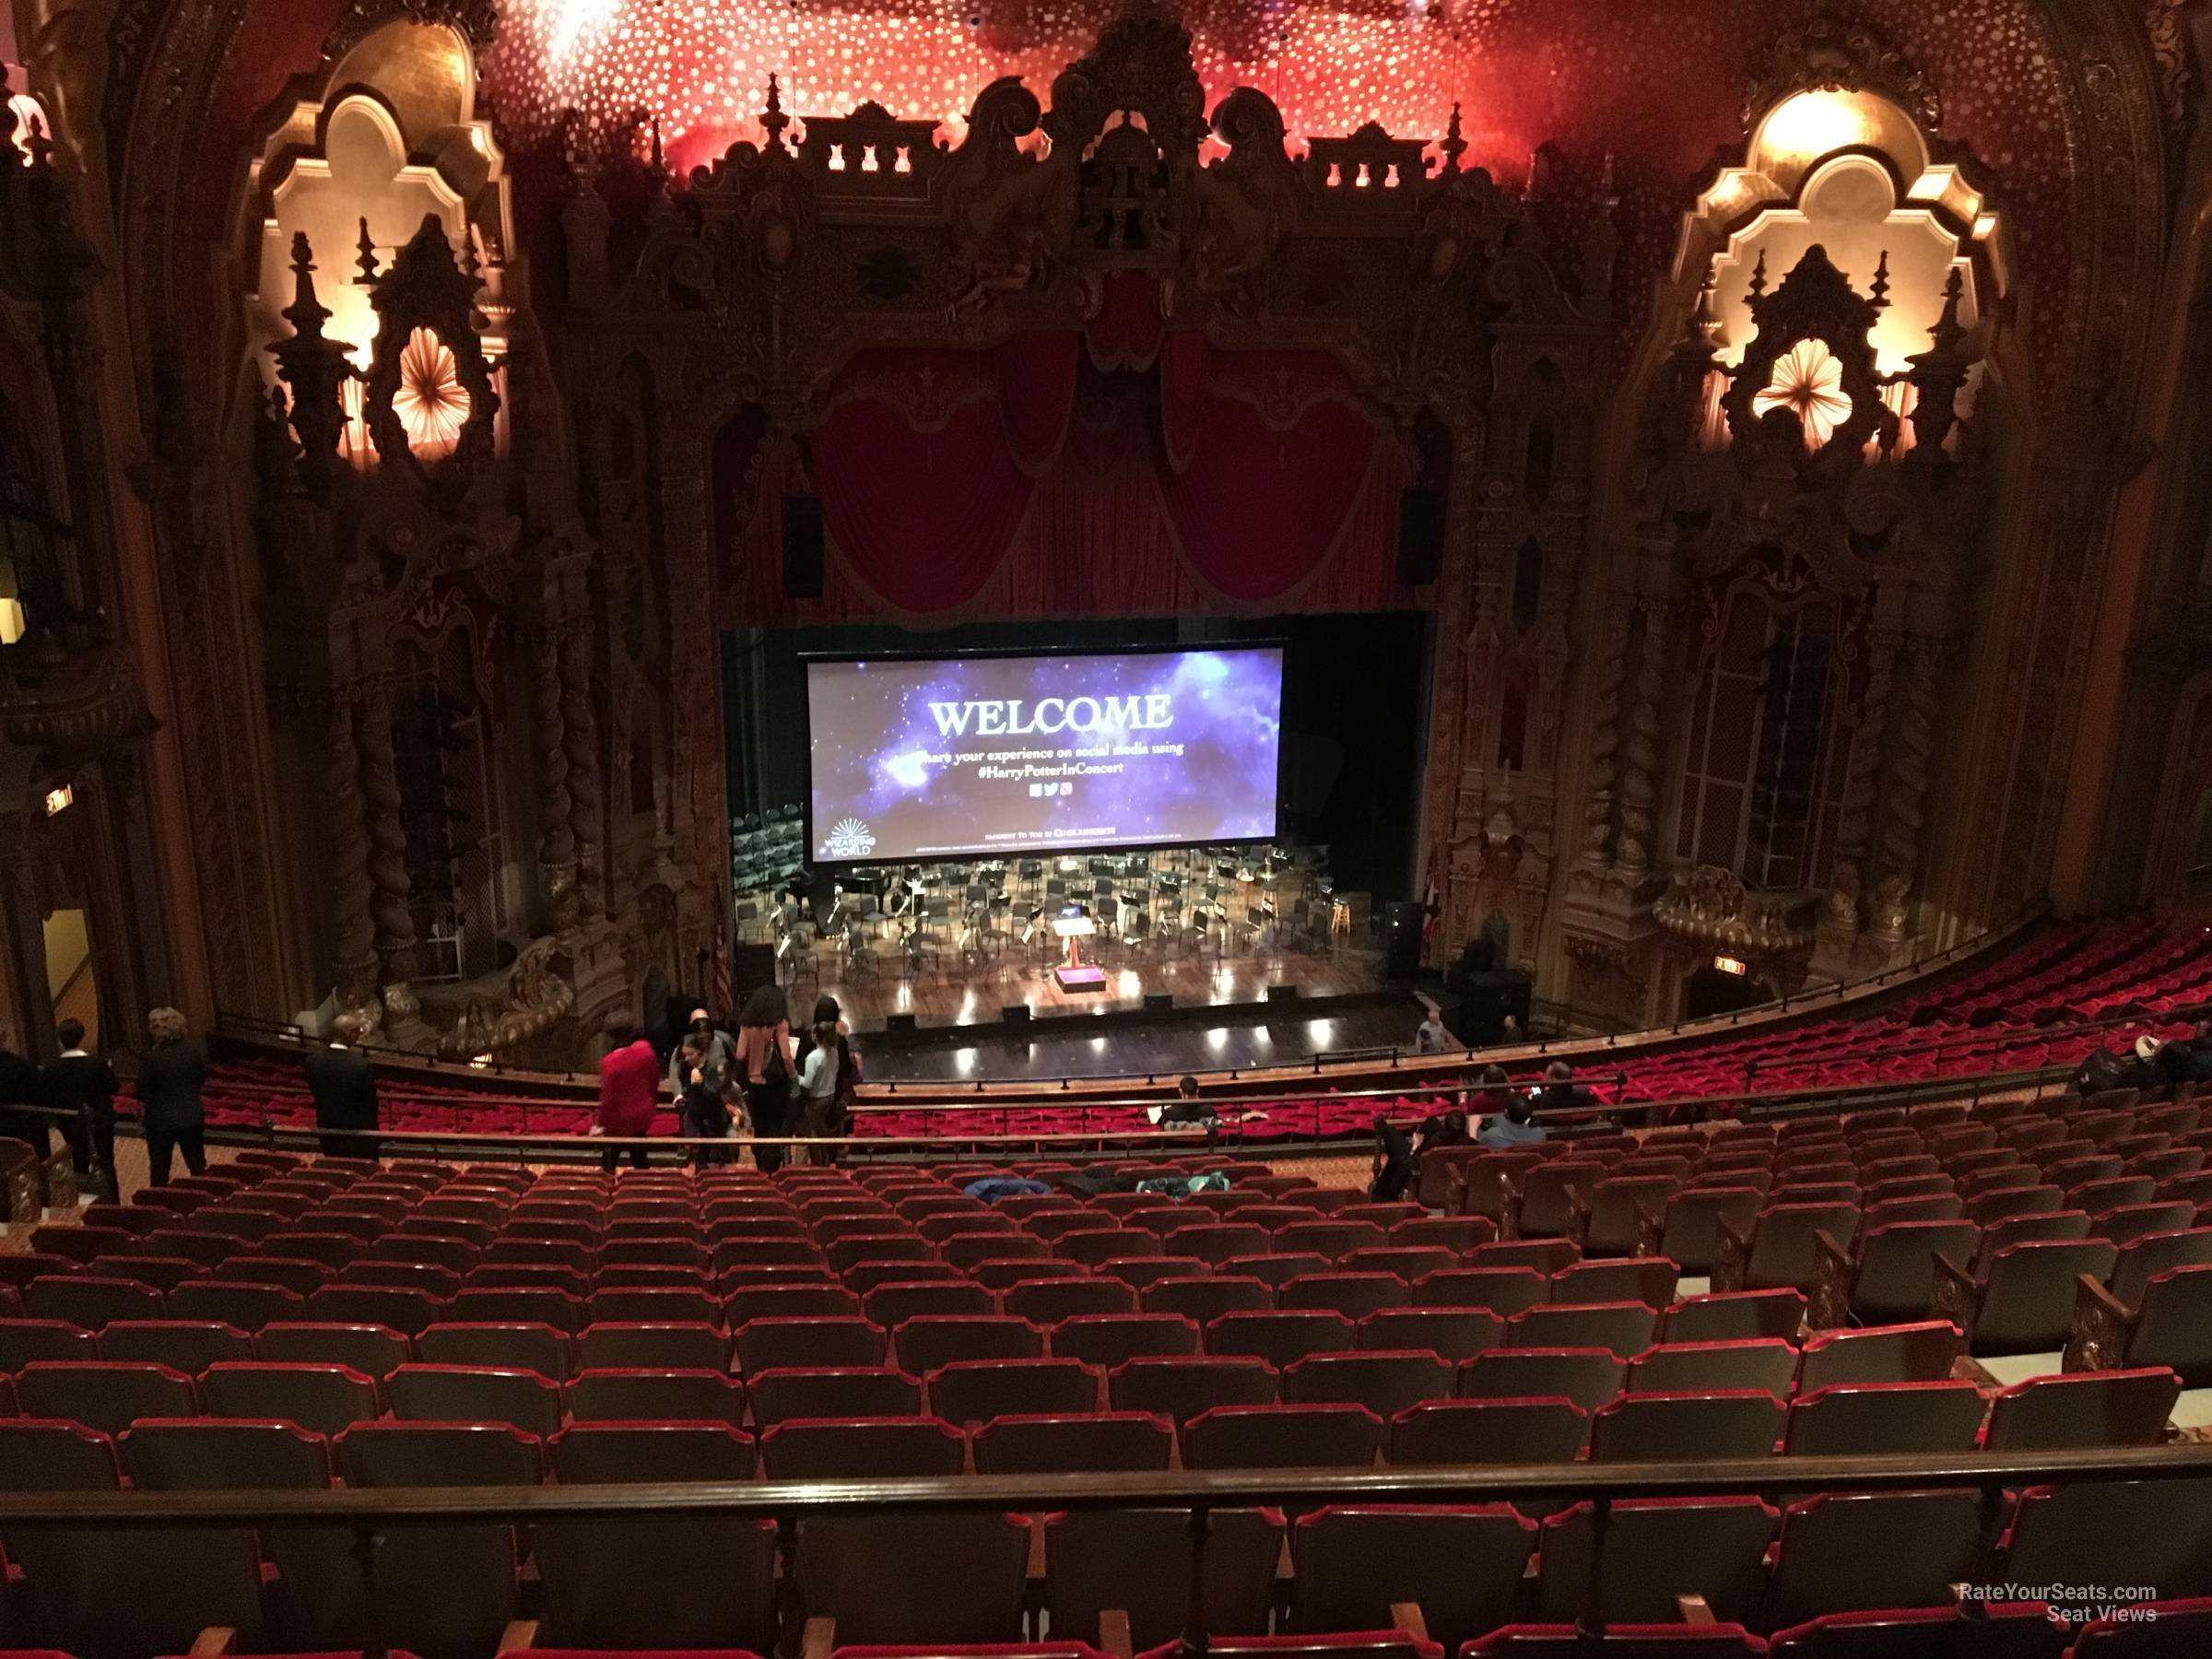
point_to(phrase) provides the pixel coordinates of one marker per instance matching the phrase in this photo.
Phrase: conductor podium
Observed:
(1075, 974)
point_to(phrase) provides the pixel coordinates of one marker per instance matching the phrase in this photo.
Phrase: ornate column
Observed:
(556, 843)
(1605, 733)
(1841, 917)
(1639, 779)
(579, 742)
(1911, 741)
(353, 955)
(387, 837)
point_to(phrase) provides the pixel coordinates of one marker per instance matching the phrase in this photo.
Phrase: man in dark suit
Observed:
(345, 1090)
(84, 1084)
(21, 1086)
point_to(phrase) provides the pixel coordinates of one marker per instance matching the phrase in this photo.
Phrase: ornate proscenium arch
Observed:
(1458, 316)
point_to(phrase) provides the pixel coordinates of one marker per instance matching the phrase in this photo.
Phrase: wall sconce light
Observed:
(58, 800)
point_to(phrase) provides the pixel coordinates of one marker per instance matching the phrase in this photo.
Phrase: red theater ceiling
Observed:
(1657, 86)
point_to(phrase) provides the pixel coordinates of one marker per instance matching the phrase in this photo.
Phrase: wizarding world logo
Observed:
(850, 837)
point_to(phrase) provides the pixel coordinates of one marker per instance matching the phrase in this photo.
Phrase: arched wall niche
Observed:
(1837, 297)
(394, 140)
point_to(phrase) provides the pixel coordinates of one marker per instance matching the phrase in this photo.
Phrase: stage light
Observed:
(1813, 124)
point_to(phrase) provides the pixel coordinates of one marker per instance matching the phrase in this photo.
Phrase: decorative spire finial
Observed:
(1881, 283)
(306, 314)
(1758, 280)
(1454, 145)
(1947, 329)
(772, 119)
(366, 261)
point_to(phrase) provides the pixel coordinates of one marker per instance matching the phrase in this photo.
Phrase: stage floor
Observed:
(959, 1032)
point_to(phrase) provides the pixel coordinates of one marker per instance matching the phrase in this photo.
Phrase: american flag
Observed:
(721, 966)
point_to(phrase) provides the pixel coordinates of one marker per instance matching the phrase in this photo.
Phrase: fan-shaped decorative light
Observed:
(431, 403)
(1808, 378)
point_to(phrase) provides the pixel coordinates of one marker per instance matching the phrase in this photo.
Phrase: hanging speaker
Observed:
(803, 546)
(1420, 535)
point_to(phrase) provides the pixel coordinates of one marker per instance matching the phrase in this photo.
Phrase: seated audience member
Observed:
(1495, 1094)
(84, 1084)
(2186, 1059)
(630, 1088)
(1394, 1163)
(2200, 1054)
(1516, 1126)
(1446, 1128)
(1560, 1091)
(1187, 1112)
(343, 1086)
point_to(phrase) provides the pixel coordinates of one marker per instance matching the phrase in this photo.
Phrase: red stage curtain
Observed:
(1258, 506)
(1023, 481)
(1036, 380)
(920, 519)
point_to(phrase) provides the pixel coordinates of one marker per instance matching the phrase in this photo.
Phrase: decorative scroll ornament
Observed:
(1831, 53)
(1141, 65)
(1711, 908)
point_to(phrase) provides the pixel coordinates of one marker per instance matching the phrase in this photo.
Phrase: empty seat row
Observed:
(702, 1583)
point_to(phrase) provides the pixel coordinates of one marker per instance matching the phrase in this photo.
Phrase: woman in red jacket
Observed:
(629, 1088)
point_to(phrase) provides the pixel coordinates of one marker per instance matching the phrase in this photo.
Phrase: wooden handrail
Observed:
(1040, 1493)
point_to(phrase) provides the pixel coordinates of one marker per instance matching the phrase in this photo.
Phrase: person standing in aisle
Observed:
(170, 1075)
(343, 1086)
(765, 1068)
(629, 1088)
(84, 1084)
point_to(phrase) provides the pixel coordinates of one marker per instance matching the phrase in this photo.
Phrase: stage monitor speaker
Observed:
(1420, 535)
(899, 1022)
(1015, 1014)
(1401, 939)
(1282, 994)
(1485, 999)
(1158, 1002)
(802, 546)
